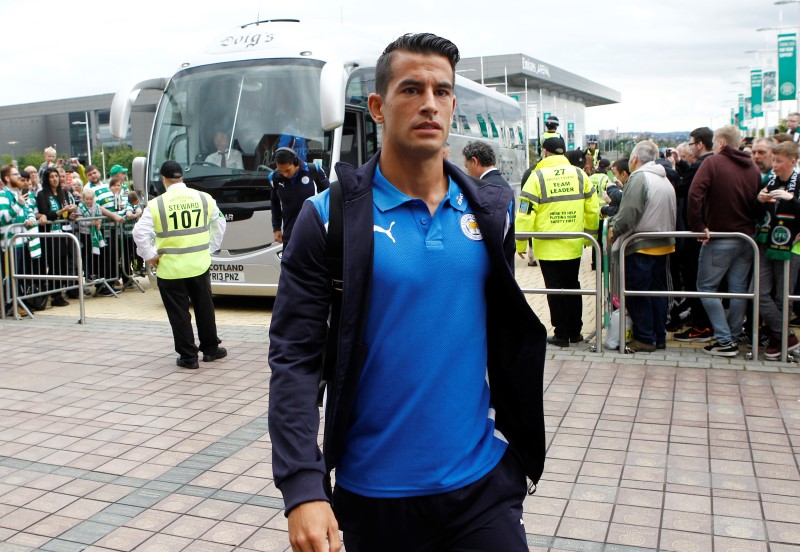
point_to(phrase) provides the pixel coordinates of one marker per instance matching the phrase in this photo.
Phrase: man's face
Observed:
(783, 166)
(14, 178)
(762, 156)
(418, 105)
(793, 122)
(686, 152)
(93, 176)
(621, 176)
(288, 170)
(473, 169)
(62, 176)
(221, 141)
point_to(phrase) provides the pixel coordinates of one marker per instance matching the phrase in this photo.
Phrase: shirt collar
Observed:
(487, 171)
(386, 197)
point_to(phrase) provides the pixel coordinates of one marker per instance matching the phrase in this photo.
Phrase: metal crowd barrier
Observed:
(17, 300)
(788, 298)
(57, 272)
(676, 293)
(597, 291)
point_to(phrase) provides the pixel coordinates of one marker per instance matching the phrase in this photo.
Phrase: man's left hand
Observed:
(610, 234)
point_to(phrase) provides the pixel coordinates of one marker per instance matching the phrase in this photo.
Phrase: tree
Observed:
(123, 156)
(33, 159)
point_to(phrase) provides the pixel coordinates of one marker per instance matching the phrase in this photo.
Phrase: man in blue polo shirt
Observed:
(434, 413)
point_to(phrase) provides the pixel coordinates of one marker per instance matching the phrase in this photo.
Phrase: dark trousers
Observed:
(482, 517)
(689, 253)
(109, 256)
(176, 295)
(649, 314)
(57, 252)
(565, 310)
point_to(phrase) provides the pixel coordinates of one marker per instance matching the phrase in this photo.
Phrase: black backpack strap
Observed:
(334, 257)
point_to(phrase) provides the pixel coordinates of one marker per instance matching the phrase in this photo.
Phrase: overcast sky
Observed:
(675, 63)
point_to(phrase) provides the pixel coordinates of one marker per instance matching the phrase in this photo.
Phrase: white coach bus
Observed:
(270, 81)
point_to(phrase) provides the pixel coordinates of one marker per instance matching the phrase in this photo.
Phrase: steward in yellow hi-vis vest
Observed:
(181, 219)
(176, 234)
(557, 197)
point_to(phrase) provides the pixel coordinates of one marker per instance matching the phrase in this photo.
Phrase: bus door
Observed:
(359, 136)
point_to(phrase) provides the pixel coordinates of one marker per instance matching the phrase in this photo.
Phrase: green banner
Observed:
(545, 115)
(570, 135)
(742, 126)
(787, 66)
(733, 118)
(756, 96)
(769, 86)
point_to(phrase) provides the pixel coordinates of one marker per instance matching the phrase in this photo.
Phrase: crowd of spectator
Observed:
(62, 196)
(721, 183)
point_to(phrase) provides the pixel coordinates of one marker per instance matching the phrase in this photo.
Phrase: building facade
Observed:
(541, 89)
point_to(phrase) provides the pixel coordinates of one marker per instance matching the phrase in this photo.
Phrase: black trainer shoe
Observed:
(59, 301)
(718, 349)
(190, 363)
(694, 334)
(221, 352)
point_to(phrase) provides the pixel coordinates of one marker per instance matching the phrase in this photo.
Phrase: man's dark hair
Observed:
(704, 135)
(482, 152)
(422, 43)
(622, 166)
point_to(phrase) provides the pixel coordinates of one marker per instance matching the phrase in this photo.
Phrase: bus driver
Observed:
(224, 157)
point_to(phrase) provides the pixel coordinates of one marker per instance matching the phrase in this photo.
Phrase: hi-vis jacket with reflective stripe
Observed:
(181, 219)
(557, 197)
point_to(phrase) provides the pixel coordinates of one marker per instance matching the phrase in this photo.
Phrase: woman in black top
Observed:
(53, 203)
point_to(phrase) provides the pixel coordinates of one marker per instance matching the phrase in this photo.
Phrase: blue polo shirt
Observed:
(423, 423)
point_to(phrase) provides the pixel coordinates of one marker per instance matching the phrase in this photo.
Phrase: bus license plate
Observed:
(227, 273)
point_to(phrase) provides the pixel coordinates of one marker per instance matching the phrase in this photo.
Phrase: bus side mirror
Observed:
(123, 102)
(332, 82)
(139, 174)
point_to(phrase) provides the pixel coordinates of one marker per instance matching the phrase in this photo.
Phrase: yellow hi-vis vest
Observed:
(601, 182)
(182, 219)
(557, 198)
(547, 134)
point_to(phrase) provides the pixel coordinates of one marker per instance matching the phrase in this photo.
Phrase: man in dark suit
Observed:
(479, 161)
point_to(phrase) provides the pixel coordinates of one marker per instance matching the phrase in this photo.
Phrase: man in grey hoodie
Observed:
(648, 205)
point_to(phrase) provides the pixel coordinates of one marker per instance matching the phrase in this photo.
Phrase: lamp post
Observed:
(88, 136)
(12, 143)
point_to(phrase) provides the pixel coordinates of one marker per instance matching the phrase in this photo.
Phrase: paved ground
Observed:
(106, 445)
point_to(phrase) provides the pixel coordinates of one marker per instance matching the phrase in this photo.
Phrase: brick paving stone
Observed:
(702, 449)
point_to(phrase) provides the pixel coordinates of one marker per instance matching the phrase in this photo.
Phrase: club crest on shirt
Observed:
(469, 226)
(305, 180)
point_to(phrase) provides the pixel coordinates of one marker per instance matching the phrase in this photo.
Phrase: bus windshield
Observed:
(224, 122)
